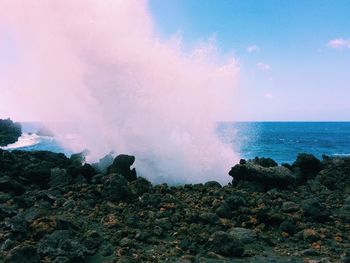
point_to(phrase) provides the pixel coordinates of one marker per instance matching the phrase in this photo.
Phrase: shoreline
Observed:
(59, 209)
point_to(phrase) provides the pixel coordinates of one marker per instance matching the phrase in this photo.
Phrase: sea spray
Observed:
(99, 70)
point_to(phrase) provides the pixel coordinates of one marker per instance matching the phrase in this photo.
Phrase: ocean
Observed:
(281, 141)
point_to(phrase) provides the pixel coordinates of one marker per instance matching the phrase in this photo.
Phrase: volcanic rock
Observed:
(121, 165)
(9, 131)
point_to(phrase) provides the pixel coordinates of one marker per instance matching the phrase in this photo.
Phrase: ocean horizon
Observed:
(280, 140)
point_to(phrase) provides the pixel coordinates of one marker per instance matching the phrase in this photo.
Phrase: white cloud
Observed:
(268, 95)
(263, 66)
(339, 43)
(253, 48)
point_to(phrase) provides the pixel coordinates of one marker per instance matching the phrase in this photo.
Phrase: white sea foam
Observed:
(25, 140)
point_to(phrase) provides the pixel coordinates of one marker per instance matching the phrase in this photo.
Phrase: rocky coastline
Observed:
(9, 131)
(59, 209)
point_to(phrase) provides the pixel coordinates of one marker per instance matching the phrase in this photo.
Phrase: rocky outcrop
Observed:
(9, 131)
(268, 177)
(59, 209)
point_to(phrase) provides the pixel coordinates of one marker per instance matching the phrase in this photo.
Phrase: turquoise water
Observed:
(281, 141)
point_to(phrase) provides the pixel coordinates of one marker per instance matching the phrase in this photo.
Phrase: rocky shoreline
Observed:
(59, 209)
(9, 131)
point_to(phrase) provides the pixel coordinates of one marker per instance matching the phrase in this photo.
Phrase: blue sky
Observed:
(294, 56)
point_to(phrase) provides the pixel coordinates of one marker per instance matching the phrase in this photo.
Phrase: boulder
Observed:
(140, 186)
(277, 176)
(115, 187)
(226, 245)
(22, 254)
(244, 235)
(121, 165)
(307, 166)
(315, 210)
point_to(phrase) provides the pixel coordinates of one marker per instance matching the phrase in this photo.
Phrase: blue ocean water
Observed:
(281, 141)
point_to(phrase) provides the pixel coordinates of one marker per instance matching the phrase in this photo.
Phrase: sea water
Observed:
(281, 141)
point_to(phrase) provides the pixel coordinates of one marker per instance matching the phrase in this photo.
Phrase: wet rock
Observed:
(244, 235)
(121, 165)
(277, 176)
(116, 187)
(224, 244)
(307, 166)
(22, 254)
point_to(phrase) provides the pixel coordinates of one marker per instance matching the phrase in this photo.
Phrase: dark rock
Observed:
(212, 184)
(244, 235)
(345, 258)
(17, 224)
(223, 211)
(344, 212)
(87, 171)
(277, 176)
(307, 166)
(289, 207)
(92, 240)
(235, 202)
(287, 226)
(8, 184)
(224, 244)
(22, 254)
(265, 162)
(62, 243)
(121, 165)
(242, 161)
(59, 177)
(116, 187)
(210, 218)
(9, 131)
(140, 186)
(315, 211)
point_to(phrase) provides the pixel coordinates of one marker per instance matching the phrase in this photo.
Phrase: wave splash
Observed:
(101, 68)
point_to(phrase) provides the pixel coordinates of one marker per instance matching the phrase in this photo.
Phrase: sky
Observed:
(294, 56)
